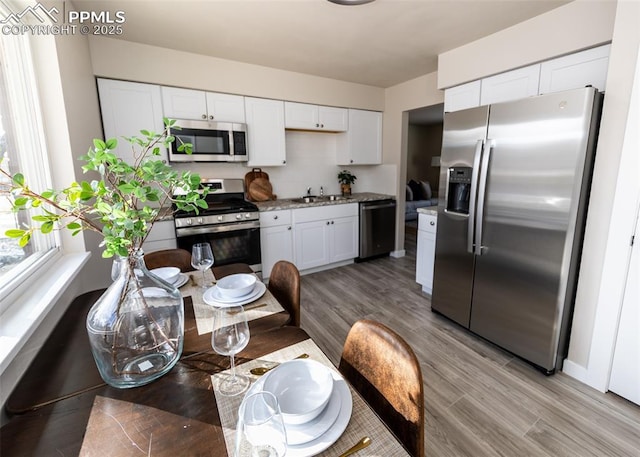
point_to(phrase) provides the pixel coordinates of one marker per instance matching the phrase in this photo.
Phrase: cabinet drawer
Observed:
(325, 212)
(275, 218)
(427, 223)
(162, 230)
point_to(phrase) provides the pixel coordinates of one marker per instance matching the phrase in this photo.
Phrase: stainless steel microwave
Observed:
(212, 141)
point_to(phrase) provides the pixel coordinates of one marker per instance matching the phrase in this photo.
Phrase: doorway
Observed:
(424, 144)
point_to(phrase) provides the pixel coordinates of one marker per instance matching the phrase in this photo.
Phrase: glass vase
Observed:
(136, 328)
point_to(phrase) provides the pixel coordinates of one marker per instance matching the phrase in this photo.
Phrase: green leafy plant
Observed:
(118, 204)
(346, 177)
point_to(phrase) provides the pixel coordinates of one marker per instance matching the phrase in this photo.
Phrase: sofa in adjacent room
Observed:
(418, 194)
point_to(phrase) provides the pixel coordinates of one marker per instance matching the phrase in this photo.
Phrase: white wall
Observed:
(580, 24)
(400, 99)
(614, 197)
(569, 28)
(120, 59)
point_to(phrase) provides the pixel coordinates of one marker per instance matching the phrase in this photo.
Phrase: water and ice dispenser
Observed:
(459, 189)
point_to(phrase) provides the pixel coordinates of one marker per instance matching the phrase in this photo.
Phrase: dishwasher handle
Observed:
(368, 207)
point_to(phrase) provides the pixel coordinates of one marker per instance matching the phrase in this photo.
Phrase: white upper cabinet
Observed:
(576, 70)
(181, 103)
(462, 97)
(512, 85)
(265, 132)
(362, 143)
(313, 117)
(126, 109)
(586, 68)
(225, 107)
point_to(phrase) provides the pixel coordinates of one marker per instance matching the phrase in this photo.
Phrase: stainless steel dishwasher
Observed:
(377, 228)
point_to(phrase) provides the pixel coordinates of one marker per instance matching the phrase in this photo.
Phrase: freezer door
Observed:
(464, 132)
(531, 235)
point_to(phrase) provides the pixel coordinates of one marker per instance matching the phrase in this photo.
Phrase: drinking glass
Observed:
(230, 335)
(202, 258)
(260, 431)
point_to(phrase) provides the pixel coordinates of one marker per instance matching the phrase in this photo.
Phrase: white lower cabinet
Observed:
(162, 236)
(324, 235)
(276, 239)
(426, 251)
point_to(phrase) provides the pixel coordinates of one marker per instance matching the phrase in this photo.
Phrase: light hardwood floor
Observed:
(480, 400)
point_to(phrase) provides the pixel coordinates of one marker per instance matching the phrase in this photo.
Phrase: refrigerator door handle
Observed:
(482, 189)
(472, 198)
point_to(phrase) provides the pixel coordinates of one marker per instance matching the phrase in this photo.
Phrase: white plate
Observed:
(212, 296)
(181, 281)
(335, 430)
(303, 433)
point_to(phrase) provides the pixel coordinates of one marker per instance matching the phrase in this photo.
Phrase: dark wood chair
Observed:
(284, 284)
(383, 368)
(180, 258)
(232, 269)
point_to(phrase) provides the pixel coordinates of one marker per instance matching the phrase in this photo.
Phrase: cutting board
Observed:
(260, 190)
(258, 187)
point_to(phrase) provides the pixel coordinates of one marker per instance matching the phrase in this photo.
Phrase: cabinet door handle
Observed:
(321, 125)
(317, 125)
(289, 228)
(204, 116)
(328, 222)
(331, 222)
(211, 116)
(276, 217)
(284, 161)
(351, 161)
(432, 223)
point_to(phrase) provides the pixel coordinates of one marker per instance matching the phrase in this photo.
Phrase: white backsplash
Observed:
(311, 159)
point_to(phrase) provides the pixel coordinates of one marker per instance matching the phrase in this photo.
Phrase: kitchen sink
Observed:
(323, 198)
(309, 199)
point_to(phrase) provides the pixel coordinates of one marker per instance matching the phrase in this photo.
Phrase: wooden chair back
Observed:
(284, 284)
(231, 269)
(383, 368)
(180, 258)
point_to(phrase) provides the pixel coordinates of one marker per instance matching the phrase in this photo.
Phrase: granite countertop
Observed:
(430, 210)
(291, 203)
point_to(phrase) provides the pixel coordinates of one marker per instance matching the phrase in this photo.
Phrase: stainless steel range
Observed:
(230, 224)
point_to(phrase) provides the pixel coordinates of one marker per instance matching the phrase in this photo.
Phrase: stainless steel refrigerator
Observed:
(513, 191)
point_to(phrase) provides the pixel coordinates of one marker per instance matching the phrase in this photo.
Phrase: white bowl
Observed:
(169, 274)
(303, 388)
(237, 285)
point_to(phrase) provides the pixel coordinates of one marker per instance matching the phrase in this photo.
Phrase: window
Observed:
(22, 143)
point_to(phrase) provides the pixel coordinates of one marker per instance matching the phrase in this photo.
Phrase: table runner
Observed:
(363, 422)
(204, 313)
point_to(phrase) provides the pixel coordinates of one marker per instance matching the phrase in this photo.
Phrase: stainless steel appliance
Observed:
(377, 228)
(513, 191)
(211, 141)
(231, 225)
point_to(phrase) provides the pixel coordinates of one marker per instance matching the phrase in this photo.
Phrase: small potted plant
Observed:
(346, 178)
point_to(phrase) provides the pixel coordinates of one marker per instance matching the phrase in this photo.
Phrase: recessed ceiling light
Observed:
(351, 2)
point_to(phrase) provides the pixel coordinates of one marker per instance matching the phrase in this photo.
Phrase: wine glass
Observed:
(260, 431)
(202, 258)
(230, 335)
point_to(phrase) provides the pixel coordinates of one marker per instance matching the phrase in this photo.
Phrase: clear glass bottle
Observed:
(136, 328)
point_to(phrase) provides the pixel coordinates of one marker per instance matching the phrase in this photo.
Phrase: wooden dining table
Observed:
(62, 407)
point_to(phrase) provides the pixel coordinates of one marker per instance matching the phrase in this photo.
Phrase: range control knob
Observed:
(220, 218)
(247, 216)
(189, 222)
(238, 216)
(200, 221)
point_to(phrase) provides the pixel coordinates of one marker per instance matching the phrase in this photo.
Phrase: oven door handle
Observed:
(186, 231)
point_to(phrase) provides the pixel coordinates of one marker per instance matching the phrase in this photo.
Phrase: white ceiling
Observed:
(380, 44)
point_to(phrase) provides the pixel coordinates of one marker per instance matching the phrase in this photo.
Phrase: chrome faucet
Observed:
(308, 191)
